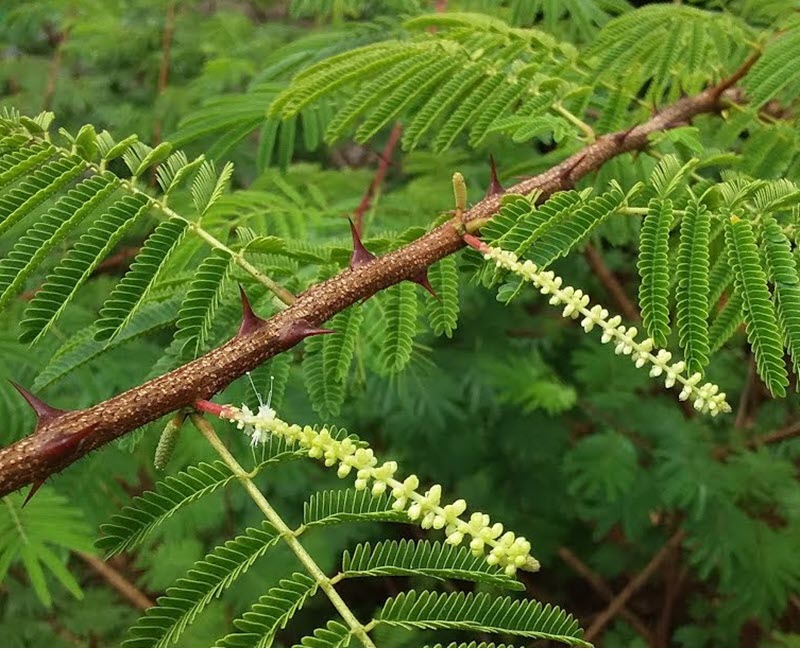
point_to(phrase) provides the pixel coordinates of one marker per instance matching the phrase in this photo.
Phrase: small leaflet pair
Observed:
(55, 448)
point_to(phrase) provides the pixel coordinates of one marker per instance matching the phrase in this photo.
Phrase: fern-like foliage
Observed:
(411, 558)
(782, 268)
(37, 535)
(63, 283)
(467, 75)
(135, 522)
(163, 624)
(271, 613)
(654, 269)
(399, 304)
(129, 295)
(669, 47)
(760, 317)
(775, 73)
(481, 613)
(692, 290)
(443, 313)
(348, 505)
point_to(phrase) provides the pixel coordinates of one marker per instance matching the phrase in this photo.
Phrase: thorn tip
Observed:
(250, 321)
(44, 412)
(494, 186)
(360, 254)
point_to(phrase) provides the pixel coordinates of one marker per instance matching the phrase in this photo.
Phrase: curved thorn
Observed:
(360, 254)
(44, 412)
(250, 321)
(301, 329)
(34, 489)
(494, 186)
(422, 280)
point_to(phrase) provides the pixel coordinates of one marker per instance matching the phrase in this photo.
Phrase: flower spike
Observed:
(360, 254)
(300, 329)
(422, 280)
(353, 458)
(44, 412)
(250, 321)
(705, 398)
(494, 186)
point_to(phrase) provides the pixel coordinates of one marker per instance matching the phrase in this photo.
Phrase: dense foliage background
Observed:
(517, 410)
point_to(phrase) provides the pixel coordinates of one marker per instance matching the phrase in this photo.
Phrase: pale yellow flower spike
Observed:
(705, 398)
(501, 548)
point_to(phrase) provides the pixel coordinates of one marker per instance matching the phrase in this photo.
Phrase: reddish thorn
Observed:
(66, 444)
(300, 329)
(33, 490)
(250, 321)
(422, 280)
(473, 241)
(494, 186)
(44, 413)
(360, 254)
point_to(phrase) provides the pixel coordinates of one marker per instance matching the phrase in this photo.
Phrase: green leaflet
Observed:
(271, 613)
(400, 316)
(19, 201)
(346, 505)
(201, 301)
(324, 389)
(782, 269)
(443, 313)
(423, 558)
(727, 321)
(654, 270)
(482, 613)
(692, 290)
(85, 348)
(63, 283)
(135, 522)
(43, 236)
(163, 625)
(760, 318)
(776, 70)
(129, 295)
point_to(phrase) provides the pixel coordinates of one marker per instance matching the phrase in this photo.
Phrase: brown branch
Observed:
(604, 590)
(633, 585)
(62, 440)
(610, 282)
(377, 180)
(118, 582)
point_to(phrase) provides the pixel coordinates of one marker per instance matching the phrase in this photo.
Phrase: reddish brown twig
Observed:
(163, 68)
(610, 282)
(58, 39)
(32, 459)
(604, 590)
(377, 180)
(747, 390)
(118, 582)
(633, 585)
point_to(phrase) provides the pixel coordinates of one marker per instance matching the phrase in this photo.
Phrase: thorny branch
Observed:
(62, 439)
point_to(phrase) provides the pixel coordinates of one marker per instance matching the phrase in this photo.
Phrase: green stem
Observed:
(281, 293)
(587, 130)
(285, 531)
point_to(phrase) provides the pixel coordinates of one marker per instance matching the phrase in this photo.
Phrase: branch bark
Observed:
(49, 449)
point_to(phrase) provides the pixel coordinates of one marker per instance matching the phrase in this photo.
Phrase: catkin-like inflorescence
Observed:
(500, 547)
(706, 397)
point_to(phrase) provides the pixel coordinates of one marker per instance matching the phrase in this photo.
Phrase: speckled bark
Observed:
(33, 458)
